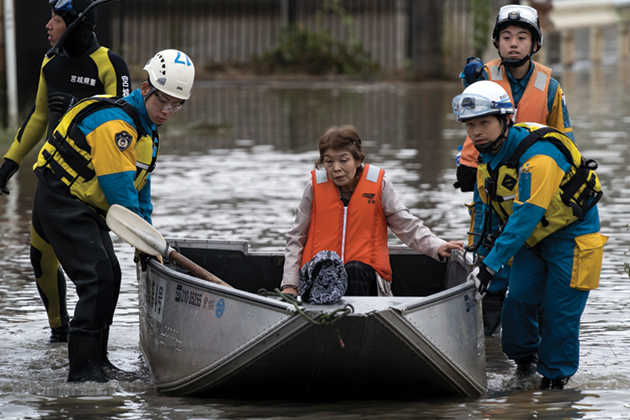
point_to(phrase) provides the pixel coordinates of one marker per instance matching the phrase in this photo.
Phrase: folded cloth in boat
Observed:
(324, 279)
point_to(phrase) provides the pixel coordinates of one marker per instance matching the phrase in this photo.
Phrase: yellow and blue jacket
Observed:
(104, 153)
(540, 187)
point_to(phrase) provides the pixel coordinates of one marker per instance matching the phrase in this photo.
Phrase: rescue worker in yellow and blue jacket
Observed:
(545, 193)
(82, 68)
(102, 153)
(538, 98)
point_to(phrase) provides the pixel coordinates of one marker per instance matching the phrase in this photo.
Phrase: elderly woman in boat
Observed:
(347, 207)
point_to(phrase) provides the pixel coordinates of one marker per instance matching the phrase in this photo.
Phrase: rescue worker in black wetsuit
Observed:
(83, 68)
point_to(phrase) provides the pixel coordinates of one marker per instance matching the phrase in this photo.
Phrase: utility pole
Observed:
(10, 63)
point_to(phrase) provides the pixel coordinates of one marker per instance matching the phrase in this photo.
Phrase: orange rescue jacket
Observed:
(357, 232)
(531, 108)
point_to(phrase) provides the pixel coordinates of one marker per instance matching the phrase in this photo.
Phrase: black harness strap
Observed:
(133, 113)
(103, 103)
(582, 173)
(58, 170)
(70, 155)
(527, 142)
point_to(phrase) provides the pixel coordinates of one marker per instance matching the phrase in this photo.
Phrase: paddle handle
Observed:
(195, 269)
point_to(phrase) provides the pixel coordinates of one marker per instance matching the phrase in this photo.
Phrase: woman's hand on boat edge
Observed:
(446, 248)
(292, 290)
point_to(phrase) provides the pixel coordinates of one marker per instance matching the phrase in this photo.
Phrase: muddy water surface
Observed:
(233, 165)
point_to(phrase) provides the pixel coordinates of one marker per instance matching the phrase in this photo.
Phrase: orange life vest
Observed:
(531, 108)
(357, 232)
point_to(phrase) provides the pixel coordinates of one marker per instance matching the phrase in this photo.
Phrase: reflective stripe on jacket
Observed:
(357, 232)
(68, 151)
(579, 189)
(533, 105)
(531, 108)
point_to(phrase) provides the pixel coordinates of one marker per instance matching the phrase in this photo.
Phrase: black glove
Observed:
(481, 275)
(7, 170)
(466, 178)
(143, 258)
(60, 102)
(472, 70)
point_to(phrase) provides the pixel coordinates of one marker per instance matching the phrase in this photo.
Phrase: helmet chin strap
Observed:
(152, 90)
(488, 147)
(512, 62)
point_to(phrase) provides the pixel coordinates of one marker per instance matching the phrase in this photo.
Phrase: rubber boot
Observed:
(59, 334)
(84, 352)
(526, 367)
(553, 383)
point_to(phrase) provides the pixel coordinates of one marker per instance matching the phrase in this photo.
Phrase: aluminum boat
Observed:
(246, 342)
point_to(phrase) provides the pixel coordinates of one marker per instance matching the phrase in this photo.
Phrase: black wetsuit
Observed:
(83, 68)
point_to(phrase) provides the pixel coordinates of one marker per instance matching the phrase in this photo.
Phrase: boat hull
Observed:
(206, 340)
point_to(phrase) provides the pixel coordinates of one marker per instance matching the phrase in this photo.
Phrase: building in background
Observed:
(414, 39)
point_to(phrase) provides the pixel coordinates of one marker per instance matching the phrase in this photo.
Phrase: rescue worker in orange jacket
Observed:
(537, 97)
(347, 207)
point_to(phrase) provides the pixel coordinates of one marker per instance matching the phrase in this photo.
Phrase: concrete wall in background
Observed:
(426, 38)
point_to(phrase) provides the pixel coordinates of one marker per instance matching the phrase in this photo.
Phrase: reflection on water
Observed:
(233, 165)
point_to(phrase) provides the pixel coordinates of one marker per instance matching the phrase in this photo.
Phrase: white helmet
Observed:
(172, 72)
(482, 98)
(513, 14)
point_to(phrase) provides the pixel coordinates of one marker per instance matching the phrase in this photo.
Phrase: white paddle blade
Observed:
(136, 231)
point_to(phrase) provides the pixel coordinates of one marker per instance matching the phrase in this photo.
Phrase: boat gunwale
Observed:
(238, 294)
(416, 303)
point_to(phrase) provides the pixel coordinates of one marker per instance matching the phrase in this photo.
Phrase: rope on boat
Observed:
(326, 318)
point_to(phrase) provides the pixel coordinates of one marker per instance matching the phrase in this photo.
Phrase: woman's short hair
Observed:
(344, 137)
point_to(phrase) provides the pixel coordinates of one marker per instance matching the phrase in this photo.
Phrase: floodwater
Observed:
(233, 165)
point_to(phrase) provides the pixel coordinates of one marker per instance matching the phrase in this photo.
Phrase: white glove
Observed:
(482, 276)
